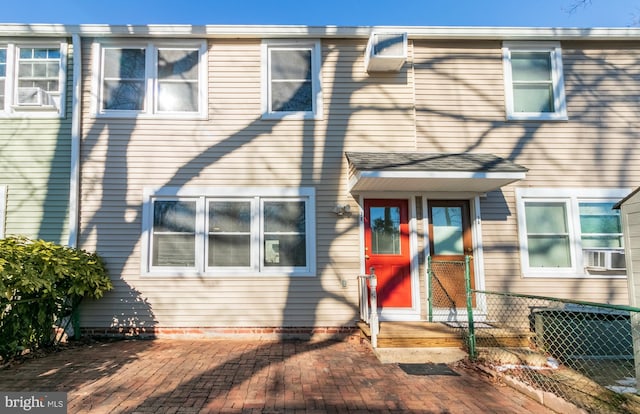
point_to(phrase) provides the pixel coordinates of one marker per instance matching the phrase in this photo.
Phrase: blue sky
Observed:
(537, 13)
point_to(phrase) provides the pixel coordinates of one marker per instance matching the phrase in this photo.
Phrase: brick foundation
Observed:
(272, 333)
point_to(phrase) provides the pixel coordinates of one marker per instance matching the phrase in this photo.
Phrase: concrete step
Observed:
(435, 355)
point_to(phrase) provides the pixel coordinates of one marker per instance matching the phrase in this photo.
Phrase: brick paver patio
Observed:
(251, 376)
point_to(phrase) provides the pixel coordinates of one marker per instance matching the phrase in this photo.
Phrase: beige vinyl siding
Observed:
(460, 107)
(36, 160)
(448, 97)
(234, 147)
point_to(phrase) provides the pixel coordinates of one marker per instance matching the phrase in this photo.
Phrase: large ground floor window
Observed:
(570, 232)
(220, 231)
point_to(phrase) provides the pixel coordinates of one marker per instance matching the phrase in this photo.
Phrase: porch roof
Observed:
(421, 171)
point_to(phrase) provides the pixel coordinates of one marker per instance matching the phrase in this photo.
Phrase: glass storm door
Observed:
(449, 240)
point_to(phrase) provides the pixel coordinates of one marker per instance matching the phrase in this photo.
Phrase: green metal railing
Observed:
(471, 335)
(584, 352)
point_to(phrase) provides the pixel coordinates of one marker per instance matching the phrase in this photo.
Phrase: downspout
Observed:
(74, 172)
(76, 114)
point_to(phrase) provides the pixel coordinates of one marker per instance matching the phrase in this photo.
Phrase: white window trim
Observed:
(203, 194)
(151, 56)
(316, 80)
(570, 196)
(560, 102)
(12, 109)
(3, 209)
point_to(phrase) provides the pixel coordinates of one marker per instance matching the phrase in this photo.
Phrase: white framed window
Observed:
(291, 86)
(150, 79)
(33, 78)
(534, 82)
(3, 77)
(3, 209)
(565, 232)
(229, 232)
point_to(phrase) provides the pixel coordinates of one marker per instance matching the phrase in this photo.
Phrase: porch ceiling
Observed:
(419, 171)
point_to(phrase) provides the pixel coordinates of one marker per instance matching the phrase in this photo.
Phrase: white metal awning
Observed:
(471, 173)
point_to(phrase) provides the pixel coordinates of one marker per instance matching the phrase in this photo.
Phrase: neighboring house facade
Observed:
(35, 129)
(630, 215)
(239, 179)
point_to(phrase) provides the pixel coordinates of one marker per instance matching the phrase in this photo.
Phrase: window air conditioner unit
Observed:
(32, 96)
(604, 260)
(386, 52)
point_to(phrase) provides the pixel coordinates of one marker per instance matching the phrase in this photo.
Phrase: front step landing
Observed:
(434, 355)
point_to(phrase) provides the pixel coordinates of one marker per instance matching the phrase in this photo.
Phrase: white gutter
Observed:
(76, 113)
(299, 31)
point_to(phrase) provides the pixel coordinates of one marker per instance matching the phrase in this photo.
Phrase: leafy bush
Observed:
(42, 283)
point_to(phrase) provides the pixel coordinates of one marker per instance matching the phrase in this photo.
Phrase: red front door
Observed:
(386, 231)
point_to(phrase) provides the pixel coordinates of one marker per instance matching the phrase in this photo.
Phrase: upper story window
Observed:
(229, 232)
(534, 85)
(3, 77)
(291, 80)
(151, 79)
(570, 232)
(32, 79)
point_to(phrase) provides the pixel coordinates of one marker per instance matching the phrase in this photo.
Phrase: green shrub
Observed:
(42, 283)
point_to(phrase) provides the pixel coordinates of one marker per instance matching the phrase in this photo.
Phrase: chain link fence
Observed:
(582, 352)
(447, 293)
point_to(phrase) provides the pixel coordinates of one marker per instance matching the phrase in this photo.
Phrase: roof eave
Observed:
(301, 31)
(474, 182)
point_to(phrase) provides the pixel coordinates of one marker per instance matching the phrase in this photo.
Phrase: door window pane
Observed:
(385, 230)
(547, 234)
(174, 233)
(230, 233)
(447, 231)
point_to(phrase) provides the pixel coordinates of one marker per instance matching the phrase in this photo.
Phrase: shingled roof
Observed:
(419, 161)
(461, 173)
